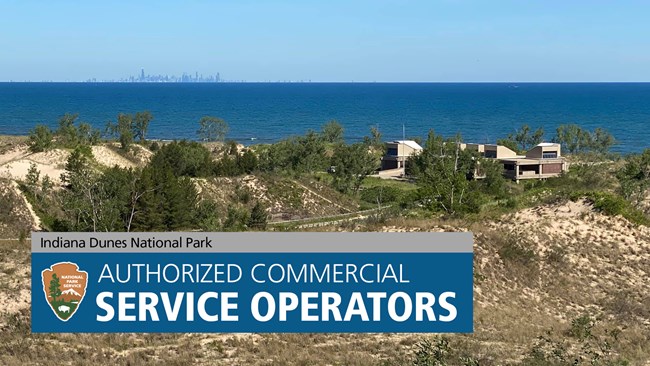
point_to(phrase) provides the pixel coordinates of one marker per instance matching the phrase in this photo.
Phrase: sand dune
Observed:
(105, 156)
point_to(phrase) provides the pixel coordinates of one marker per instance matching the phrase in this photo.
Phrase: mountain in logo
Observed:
(70, 295)
(64, 286)
(71, 292)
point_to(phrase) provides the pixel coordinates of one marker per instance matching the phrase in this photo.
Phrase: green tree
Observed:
(67, 132)
(185, 158)
(258, 217)
(374, 139)
(141, 125)
(602, 141)
(227, 167)
(77, 166)
(353, 164)
(493, 182)
(634, 177)
(40, 139)
(212, 129)
(310, 153)
(375, 143)
(247, 162)
(87, 134)
(442, 170)
(33, 175)
(180, 200)
(122, 130)
(573, 138)
(576, 140)
(148, 212)
(99, 201)
(332, 132)
(236, 220)
(297, 154)
(527, 138)
(46, 185)
(55, 287)
(207, 216)
(162, 201)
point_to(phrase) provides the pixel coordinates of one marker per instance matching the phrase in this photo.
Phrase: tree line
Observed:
(573, 138)
(161, 195)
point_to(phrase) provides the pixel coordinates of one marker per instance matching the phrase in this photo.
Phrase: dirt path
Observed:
(35, 218)
(322, 197)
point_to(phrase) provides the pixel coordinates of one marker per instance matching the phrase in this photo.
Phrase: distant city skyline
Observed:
(143, 77)
(328, 41)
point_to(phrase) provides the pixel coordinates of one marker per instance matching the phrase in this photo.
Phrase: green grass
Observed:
(614, 205)
(370, 182)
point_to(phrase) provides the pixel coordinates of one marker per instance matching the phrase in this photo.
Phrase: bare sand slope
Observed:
(13, 154)
(554, 263)
(15, 164)
(105, 156)
(550, 265)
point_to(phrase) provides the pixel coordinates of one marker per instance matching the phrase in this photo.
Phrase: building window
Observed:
(549, 155)
(491, 154)
(391, 151)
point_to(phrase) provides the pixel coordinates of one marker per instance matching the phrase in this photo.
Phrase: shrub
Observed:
(258, 217)
(517, 250)
(40, 139)
(154, 146)
(434, 353)
(581, 327)
(584, 347)
(207, 216)
(243, 194)
(510, 202)
(609, 204)
(614, 205)
(236, 220)
(184, 158)
(439, 353)
(381, 194)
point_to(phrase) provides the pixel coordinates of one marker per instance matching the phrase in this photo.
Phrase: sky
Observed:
(327, 40)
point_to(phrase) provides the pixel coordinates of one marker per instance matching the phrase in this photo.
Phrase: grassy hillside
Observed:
(553, 282)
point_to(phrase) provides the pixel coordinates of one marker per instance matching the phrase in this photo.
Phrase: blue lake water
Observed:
(263, 112)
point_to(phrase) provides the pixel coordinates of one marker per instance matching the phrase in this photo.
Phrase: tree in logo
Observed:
(55, 287)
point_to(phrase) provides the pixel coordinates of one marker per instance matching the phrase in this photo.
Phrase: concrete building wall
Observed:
(473, 147)
(555, 168)
(504, 152)
(538, 151)
(397, 149)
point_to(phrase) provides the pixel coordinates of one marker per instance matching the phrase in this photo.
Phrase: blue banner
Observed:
(252, 292)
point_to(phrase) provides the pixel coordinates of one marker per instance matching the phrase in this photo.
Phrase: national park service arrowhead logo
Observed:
(64, 286)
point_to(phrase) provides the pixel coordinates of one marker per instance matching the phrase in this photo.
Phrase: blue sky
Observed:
(333, 40)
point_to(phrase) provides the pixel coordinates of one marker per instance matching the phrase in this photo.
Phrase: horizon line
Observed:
(327, 82)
